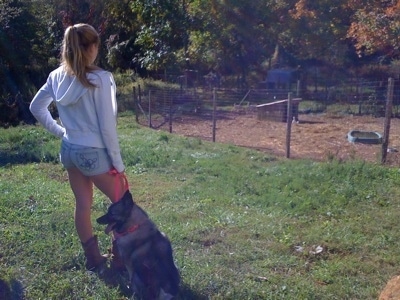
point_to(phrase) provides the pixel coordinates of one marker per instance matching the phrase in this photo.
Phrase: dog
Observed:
(144, 249)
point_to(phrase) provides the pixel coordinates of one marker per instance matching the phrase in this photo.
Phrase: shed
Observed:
(277, 110)
(280, 78)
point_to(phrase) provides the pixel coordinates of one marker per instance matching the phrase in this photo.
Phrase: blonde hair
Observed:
(75, 56)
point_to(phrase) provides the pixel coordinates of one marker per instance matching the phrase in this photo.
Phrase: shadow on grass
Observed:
(12, 290)
(10, 158)
(121, 282)
(186, 293)
(22, 157)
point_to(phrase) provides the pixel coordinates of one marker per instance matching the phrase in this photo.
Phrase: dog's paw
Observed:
(165, 296)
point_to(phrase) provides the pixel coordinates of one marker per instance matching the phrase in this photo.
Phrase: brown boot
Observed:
(94, 260)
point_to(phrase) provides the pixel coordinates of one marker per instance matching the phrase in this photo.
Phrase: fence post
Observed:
(150, 125)
(170, 113)
(388, 116)
(298, 87)
(135, 105)
(214, 115)
(288, 124)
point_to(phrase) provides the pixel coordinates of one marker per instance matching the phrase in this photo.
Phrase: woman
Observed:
(85, 96)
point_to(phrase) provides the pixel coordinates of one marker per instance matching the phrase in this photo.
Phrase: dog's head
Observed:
(118, 213)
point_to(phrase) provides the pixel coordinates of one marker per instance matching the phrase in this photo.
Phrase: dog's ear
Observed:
(127, 200)
(118, 211)
(121, 210)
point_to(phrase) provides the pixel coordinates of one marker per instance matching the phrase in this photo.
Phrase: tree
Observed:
(317, 29)
(161, 31)
(7, 13)
(17, 30)
(15, 45)
(375, 28)
(120, 32)
(233, 36)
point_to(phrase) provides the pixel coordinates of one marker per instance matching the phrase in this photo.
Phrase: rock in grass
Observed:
(391, 290)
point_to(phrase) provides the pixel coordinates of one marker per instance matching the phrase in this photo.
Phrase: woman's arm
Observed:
(39, 109)
(106, 108)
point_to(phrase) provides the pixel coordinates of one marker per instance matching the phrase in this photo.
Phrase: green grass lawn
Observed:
(243, 224)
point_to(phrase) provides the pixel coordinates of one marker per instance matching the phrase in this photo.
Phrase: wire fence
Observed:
(355, 121)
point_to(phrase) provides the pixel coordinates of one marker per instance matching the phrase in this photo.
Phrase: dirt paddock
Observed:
(316, 136)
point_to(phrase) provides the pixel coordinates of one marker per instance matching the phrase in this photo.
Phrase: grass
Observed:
(243, 224)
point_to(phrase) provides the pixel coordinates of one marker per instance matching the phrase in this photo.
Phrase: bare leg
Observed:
(112, 185)
(82, 187)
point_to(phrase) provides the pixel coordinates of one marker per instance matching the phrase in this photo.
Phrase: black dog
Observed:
(145, 251)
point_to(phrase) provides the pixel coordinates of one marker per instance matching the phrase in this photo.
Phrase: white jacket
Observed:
(88, 115)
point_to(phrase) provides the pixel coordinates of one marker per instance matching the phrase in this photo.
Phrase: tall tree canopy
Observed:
(375, 28)
(232, 36)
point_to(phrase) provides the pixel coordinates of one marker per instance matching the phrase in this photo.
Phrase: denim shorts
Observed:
(89, 160)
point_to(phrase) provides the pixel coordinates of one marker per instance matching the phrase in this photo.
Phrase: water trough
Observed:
(365, 137)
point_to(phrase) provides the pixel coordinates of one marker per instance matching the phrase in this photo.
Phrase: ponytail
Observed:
(75, 56)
